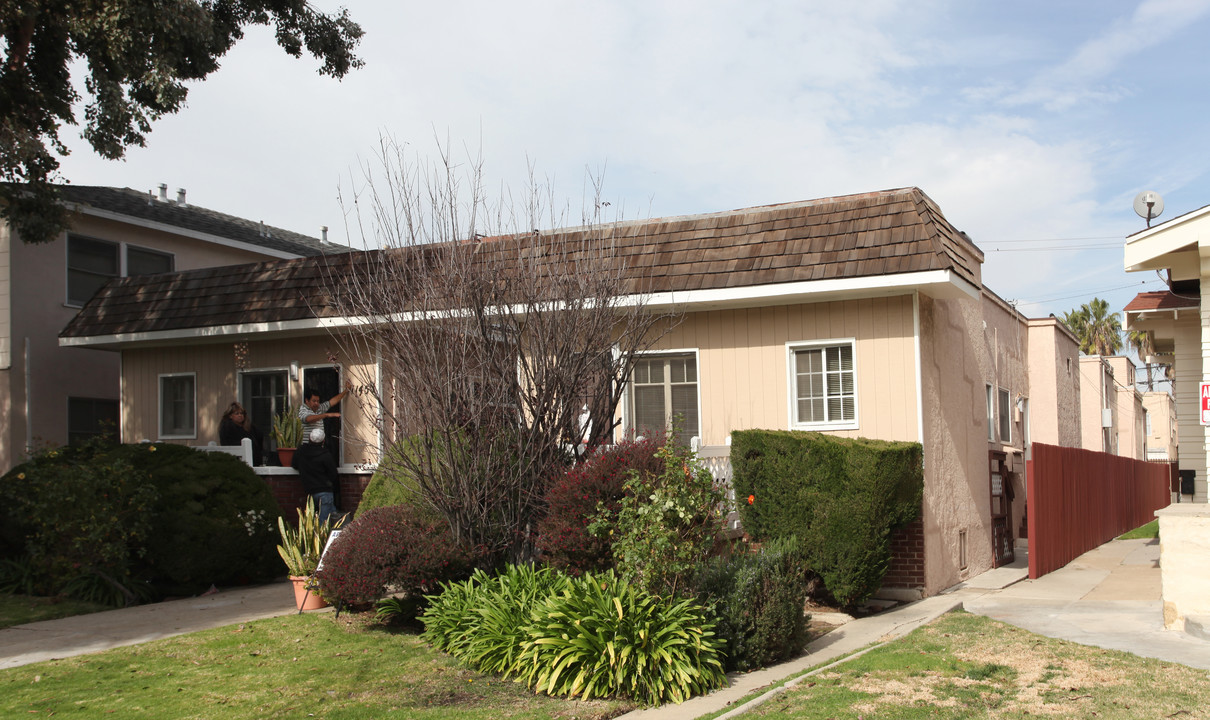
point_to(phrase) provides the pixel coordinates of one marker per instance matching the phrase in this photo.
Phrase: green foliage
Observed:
(757, 599)
(390, 549)
(214, 521)
(841, 497)
(593, 487)
(138, 58)
(666, 523)
(288, 428)
(302, 547)
(603, 636)
(593, 636)
(482, 621)
(72, 513)
(1098, 330)
(392, 483)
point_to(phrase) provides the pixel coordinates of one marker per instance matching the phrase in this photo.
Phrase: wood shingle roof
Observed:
(872, 234)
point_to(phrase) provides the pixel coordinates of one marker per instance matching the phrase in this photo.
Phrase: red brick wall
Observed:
(288, 492)
(907, 557)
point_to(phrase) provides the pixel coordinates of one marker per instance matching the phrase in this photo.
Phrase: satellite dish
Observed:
(1148, 204)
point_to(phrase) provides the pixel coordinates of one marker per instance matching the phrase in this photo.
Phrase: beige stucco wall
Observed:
(1096, 394)
(1054, 384)
(957, 499)
(1162, 441)
(217, 383)
(39, 286)
(1130, 427)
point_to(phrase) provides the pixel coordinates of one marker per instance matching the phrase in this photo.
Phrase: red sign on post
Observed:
(1205, 395)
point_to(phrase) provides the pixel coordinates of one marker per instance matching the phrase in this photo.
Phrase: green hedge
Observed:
(841, 497)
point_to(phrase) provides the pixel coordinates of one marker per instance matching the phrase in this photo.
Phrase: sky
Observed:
(1032, 124)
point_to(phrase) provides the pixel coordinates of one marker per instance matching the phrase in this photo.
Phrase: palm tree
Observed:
(1142, 343)
(1098, 330)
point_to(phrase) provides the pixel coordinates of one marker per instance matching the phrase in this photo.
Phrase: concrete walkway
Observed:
(83, 634)
(1109, 597)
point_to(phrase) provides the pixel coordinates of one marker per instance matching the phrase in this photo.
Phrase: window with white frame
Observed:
(1005, 408)
(991, 414)
(264, 394)
(663, 395)
(178, 406)
(823, 385)
(91, 263)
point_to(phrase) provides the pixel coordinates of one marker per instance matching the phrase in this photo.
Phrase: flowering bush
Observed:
(389, 548)
(575, 497)
(666, 522)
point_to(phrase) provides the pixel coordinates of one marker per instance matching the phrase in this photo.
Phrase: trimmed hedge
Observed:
(179, 518)
(841, 497)
(391, 484)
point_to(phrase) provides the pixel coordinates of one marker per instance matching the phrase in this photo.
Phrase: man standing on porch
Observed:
(313, 412)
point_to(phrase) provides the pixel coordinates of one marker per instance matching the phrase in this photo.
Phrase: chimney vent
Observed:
(323, 233)
(163, 192)
(180, 197)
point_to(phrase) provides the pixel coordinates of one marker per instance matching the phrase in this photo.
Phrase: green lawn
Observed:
(967, 666)
(1148, 531)
(21, 609)
(288, 667)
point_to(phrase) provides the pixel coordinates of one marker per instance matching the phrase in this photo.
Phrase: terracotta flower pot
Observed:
(306, 600)
(285, 456)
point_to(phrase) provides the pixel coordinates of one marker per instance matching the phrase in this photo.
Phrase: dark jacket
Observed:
(230, 433)
(316, 468)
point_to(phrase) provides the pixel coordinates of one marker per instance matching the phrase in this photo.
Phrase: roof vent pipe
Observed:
(180, 197)
(323, 232)
(163, 192)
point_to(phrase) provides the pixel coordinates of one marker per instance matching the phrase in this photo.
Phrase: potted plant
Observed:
(301, 550)
(287, 433)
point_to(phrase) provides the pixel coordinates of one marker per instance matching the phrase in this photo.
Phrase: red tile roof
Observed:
(871, 234)
(1160, 300)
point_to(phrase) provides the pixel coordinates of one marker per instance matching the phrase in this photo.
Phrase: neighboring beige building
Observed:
(1161, 430)
(1098, 405)
(51, 395)
(861, 315)
(1054, 372)
(1179, 320)
(1130, 437)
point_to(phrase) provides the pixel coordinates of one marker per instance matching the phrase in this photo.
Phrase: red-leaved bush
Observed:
(572, 499)
(390, 548)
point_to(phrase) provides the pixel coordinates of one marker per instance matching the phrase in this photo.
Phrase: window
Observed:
(140, 261)
(91, 263)
(823, 385)
(263, 395)
(90, 417)
(178, 403)
(1006, 425)
(663, 394)
(991, 415)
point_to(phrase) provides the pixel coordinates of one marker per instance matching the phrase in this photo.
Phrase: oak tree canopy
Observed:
(137, 56)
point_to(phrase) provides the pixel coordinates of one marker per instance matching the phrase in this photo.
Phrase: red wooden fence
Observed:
(1079, 499)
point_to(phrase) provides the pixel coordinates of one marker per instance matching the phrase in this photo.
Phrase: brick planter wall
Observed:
(288, 492)
(907, 557)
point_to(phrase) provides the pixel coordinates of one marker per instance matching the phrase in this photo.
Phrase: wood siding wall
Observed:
(217, 386)
(743, 363)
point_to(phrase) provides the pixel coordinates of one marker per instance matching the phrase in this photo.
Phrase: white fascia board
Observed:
(185, 232)
(939, 283)
(1145, 250)
(942, 283)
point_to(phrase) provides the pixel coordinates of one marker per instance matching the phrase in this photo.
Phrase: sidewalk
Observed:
(82, 634)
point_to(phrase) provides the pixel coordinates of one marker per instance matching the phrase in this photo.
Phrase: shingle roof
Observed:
(872, 234)
(144, 206)
(1160, 300)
